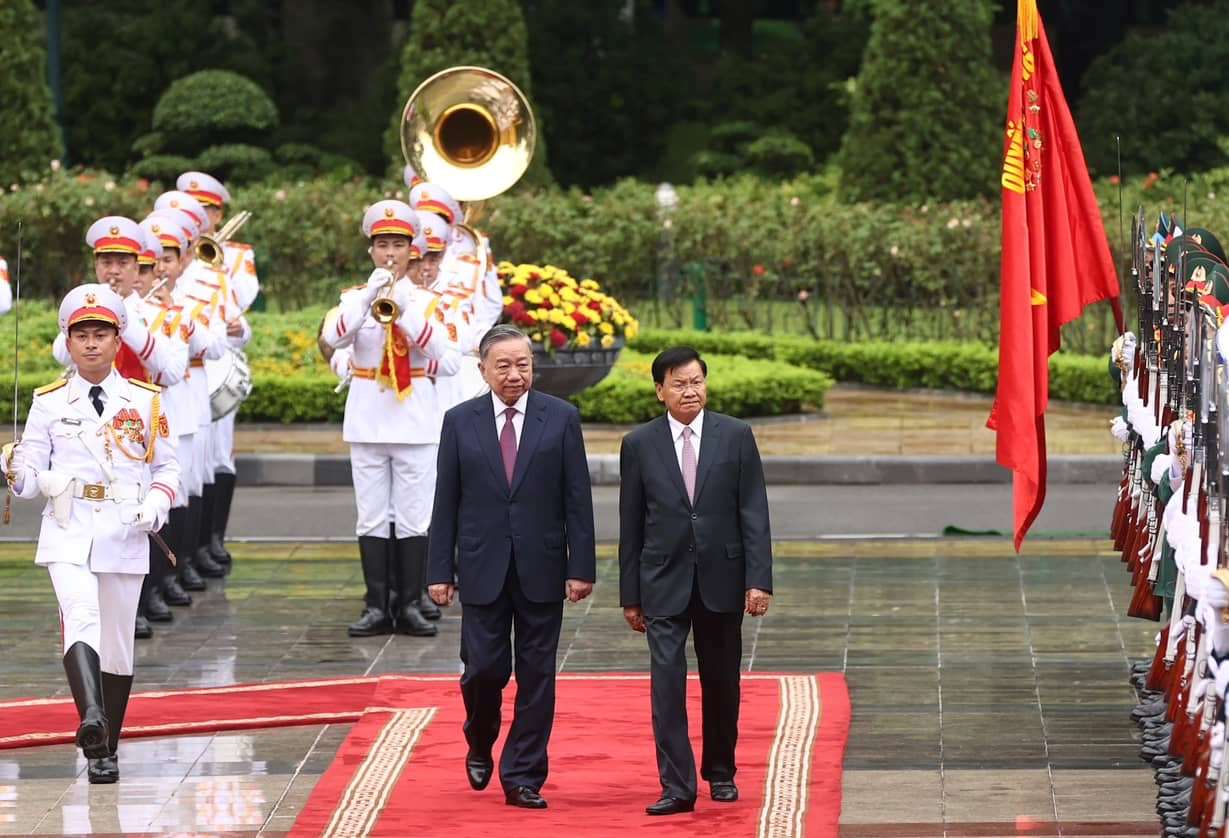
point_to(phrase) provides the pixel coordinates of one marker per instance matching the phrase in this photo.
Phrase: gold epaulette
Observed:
(52, 387)
(145, 385)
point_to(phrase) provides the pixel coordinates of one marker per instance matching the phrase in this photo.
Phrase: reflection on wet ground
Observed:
(989, 691)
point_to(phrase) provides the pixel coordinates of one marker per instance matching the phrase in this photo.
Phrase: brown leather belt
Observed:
(369, 373)
(197, 362)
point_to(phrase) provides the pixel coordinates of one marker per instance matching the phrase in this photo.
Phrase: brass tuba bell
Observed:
(470, 130)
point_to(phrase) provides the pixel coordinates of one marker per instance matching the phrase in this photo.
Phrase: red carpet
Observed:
(402, 765)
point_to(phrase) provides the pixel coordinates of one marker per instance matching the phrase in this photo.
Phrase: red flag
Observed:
(1056, 258)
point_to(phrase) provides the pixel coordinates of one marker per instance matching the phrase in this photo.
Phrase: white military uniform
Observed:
(109, 479)
(6, 290)
(393, 439)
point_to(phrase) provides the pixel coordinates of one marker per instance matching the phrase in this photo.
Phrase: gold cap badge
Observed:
(114, 230)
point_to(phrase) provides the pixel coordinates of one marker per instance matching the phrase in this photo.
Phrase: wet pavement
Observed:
(989, 691)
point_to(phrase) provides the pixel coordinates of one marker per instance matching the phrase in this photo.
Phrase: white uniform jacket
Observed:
(66, 439)
(374, 414)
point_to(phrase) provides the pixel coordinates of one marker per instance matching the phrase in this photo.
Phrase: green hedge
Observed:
(936, 365)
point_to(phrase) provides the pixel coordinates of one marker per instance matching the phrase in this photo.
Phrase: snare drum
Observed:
(230, 383)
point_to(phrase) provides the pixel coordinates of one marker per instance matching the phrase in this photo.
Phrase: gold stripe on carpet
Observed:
(373, 782)
(789, 762)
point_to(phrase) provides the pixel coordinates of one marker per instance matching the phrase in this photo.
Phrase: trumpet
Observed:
(384, 310)
(208, 249)
(149, 295)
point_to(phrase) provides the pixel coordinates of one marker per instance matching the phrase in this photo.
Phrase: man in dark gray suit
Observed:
(695, 553)
(513, 505)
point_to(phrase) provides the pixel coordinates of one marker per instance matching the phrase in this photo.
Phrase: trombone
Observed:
(208, 249)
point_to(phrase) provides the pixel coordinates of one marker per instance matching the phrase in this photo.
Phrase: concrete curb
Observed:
(334, 470)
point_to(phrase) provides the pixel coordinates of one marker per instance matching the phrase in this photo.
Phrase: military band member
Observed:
(239, 291)
(98, 447)
(392, 418)
(6, 290)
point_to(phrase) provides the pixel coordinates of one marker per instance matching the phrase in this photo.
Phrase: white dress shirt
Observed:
(676, 433)
(518, 420)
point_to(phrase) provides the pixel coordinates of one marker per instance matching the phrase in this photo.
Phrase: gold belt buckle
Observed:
(95, 491)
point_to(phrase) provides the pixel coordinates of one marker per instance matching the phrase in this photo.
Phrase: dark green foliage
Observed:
(163, 168)
(606, 87)
(926, 105)
(213, 107)
(1164, 92)
(747, 148)
(482, 33)
(737, 386)
(29, 137)
(236, 162)
(902, 366)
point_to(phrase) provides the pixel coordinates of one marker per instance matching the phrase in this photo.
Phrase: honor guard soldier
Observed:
(392, 419)
(98, 447)
(185, 402)
(6, 290)
(239, 291)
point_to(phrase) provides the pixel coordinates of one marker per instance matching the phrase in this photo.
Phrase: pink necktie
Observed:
(689, 465)
(507, 444)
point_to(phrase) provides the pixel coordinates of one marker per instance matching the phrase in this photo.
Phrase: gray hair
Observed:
(498, 334)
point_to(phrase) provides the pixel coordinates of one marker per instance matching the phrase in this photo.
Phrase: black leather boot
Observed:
(224, 491)
(153, 606)
(85, 681)
(411, 567)
(173, 592)
(373, 553)
(202, 529)
(141, 629)
(428, 608)
(115, 692)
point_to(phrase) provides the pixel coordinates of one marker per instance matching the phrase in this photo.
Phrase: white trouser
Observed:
(202, 447)
(223, 458)
(99, 610)
(394, 483)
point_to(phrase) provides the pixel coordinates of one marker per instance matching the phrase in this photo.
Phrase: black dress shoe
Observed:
(189, 579)
(174, 594)
(428, 608)
(142, 630)
(670, 806)
(206, 566)
(525, 798)
(723, 792)
(218, 551)
(156, 609)
(104, 771)
(372, 623)
(478, 770)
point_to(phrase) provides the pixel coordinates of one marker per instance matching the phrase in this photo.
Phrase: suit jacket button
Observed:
(691, 548)
(694, 516)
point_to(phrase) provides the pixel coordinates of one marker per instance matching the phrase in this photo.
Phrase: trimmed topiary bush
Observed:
(213, 107)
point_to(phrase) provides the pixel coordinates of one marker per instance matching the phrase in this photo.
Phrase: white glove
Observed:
(153, 512)
(13, 461)
(1120, 429)
(378, 279)
(1128, 349)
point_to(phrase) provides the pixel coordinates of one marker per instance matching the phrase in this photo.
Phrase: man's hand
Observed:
(578, 590)
(442, 594)
(234, 328)
(635, 617)
(757, 602)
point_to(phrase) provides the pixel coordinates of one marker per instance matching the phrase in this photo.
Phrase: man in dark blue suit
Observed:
(514, 506)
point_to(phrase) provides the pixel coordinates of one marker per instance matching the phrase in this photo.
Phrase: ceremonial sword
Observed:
(8, 498)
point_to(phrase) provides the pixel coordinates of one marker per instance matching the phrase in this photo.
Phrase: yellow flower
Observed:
(605, 328)
(568, 308)
(509, 300)
(520, 279)
(607, 341)
(567, 324)
(589, 285)
(632, 330)
(557, 316)
(583, 340)
(533, 296)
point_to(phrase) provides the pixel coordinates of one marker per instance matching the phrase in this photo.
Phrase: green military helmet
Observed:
(1207, 241)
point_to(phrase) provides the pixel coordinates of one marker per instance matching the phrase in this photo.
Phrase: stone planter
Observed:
(568, 371)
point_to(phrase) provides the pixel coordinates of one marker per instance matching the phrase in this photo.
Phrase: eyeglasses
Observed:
(696, 384)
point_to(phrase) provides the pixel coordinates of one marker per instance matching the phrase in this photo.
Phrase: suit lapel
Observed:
(710, 442)
(484, 427)
(664, 438)
(78, 397)
(531, 435)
